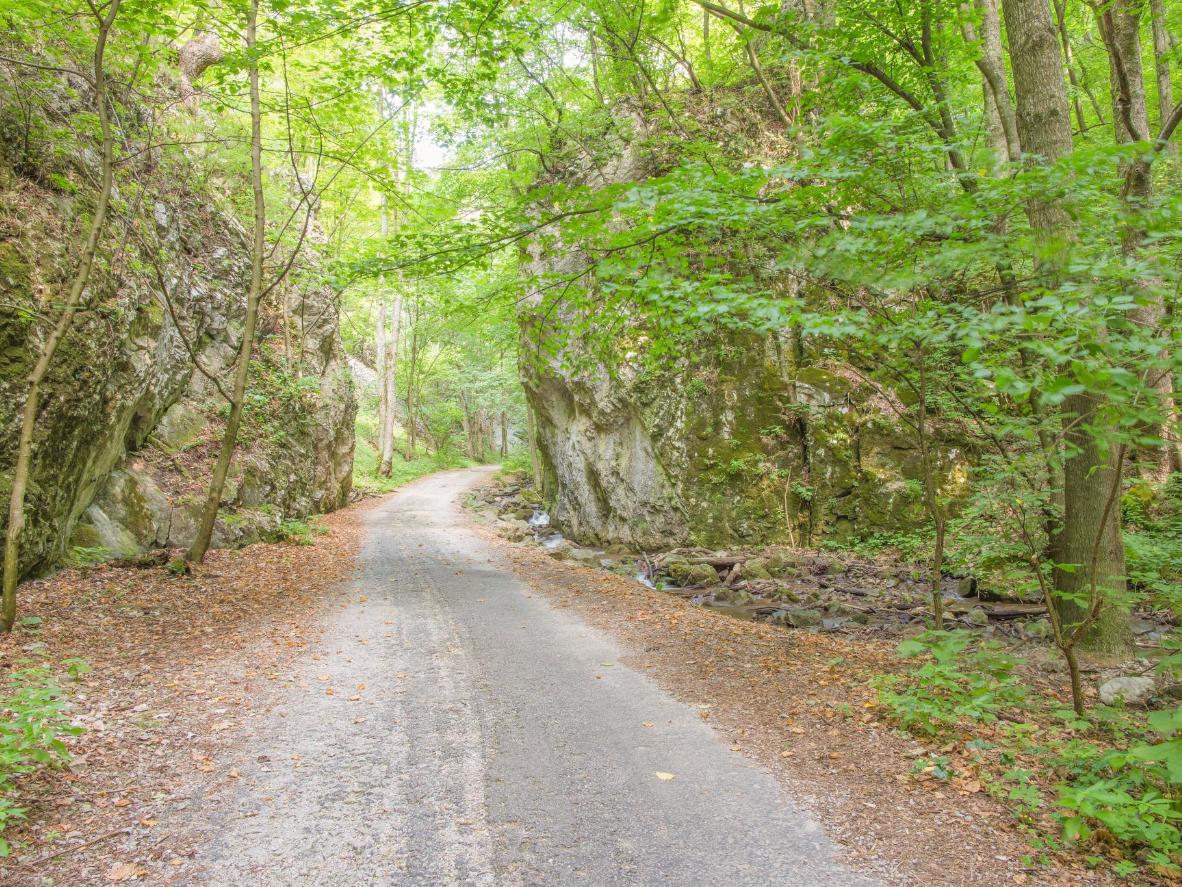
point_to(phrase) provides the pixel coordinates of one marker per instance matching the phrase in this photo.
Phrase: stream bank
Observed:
(825, 591)
(802, 704)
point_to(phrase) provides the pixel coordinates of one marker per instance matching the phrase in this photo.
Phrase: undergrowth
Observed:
(366, 461)
(1109, 784)
(34, 725)
(1153, 542)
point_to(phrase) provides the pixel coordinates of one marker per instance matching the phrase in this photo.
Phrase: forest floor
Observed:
(490, 686)
(177, 666)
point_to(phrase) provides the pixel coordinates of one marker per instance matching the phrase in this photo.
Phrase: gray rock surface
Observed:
(736, 438)
(123, 381)
(1130, 690)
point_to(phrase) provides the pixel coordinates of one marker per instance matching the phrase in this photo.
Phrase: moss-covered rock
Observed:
(757, 568)
(725, 437)
(685, 573)
(123, 385)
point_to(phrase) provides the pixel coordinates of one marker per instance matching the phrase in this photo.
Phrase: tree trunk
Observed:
(384, 410)
(390, 386)
(217, 481)
(999, 109)
(504, 434)
(1120, 26)
(1162, 44)
(1091, 532)
(411, 379)
(24, 452)
(1068, 55)
(1044, 128)
(285, 319)
(388, 349)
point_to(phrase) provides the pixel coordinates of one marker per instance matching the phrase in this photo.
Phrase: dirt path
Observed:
(451, 727)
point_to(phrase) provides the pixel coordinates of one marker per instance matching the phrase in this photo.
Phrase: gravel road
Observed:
(452, 728)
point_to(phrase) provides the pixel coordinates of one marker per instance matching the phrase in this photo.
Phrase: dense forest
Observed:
(741, 295)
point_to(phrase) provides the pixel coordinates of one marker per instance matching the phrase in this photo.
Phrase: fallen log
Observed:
(720, 560)
(1015, 611)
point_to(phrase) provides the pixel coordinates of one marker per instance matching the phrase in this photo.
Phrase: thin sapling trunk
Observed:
(20, 474)
(217, 482)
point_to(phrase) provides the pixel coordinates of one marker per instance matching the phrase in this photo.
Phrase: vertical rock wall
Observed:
(127, 425)
(743, 439)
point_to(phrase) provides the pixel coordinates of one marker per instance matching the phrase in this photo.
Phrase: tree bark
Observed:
(1120, 26)
(384, 410)
(24, 453)
(411, 379)
(390, 386)
(1068, 55)
(1162, 44)
(217, 481)
(999, 109)
(1090, 536)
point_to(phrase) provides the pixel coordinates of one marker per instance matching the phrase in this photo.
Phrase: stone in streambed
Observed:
(977, 616)
(1131, 690)
(585, 556)
(684, 573)
(756, 568)
(801, 617)
(513, 530)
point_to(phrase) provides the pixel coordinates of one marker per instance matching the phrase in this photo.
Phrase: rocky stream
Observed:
(804, 589)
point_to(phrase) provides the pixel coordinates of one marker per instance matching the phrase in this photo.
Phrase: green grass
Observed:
(366, 461)
(517, 460)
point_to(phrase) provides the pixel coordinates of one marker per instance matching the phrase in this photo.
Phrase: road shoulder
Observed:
(801, 705)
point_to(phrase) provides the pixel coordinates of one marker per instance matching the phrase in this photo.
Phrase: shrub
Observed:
(33, 729)
(960, 678)
(298, 532)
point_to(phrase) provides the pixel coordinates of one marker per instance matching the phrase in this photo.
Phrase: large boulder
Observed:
(1128, 690)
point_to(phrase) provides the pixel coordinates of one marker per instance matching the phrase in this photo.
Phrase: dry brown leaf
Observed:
(126, 871)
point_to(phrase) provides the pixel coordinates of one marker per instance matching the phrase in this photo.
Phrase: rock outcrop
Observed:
(128, 424)
(744, 438)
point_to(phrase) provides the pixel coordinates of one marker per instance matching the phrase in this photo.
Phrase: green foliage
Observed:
(34, 725)
(960, 678)
(1153, 541)
(366, 461)
(909, 546)
(298, 532)
(1133, 796)
(278, 400)
(517, 461)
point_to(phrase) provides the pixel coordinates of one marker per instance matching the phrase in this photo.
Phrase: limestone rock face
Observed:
(127, 426)
(743, 438)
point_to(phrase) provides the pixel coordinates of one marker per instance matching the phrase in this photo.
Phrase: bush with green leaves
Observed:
(1153, 541)
(34, 726)
(298, 532)
(960, 678)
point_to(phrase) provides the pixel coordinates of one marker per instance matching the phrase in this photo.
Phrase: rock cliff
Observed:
(741, 438)
(128, 424)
